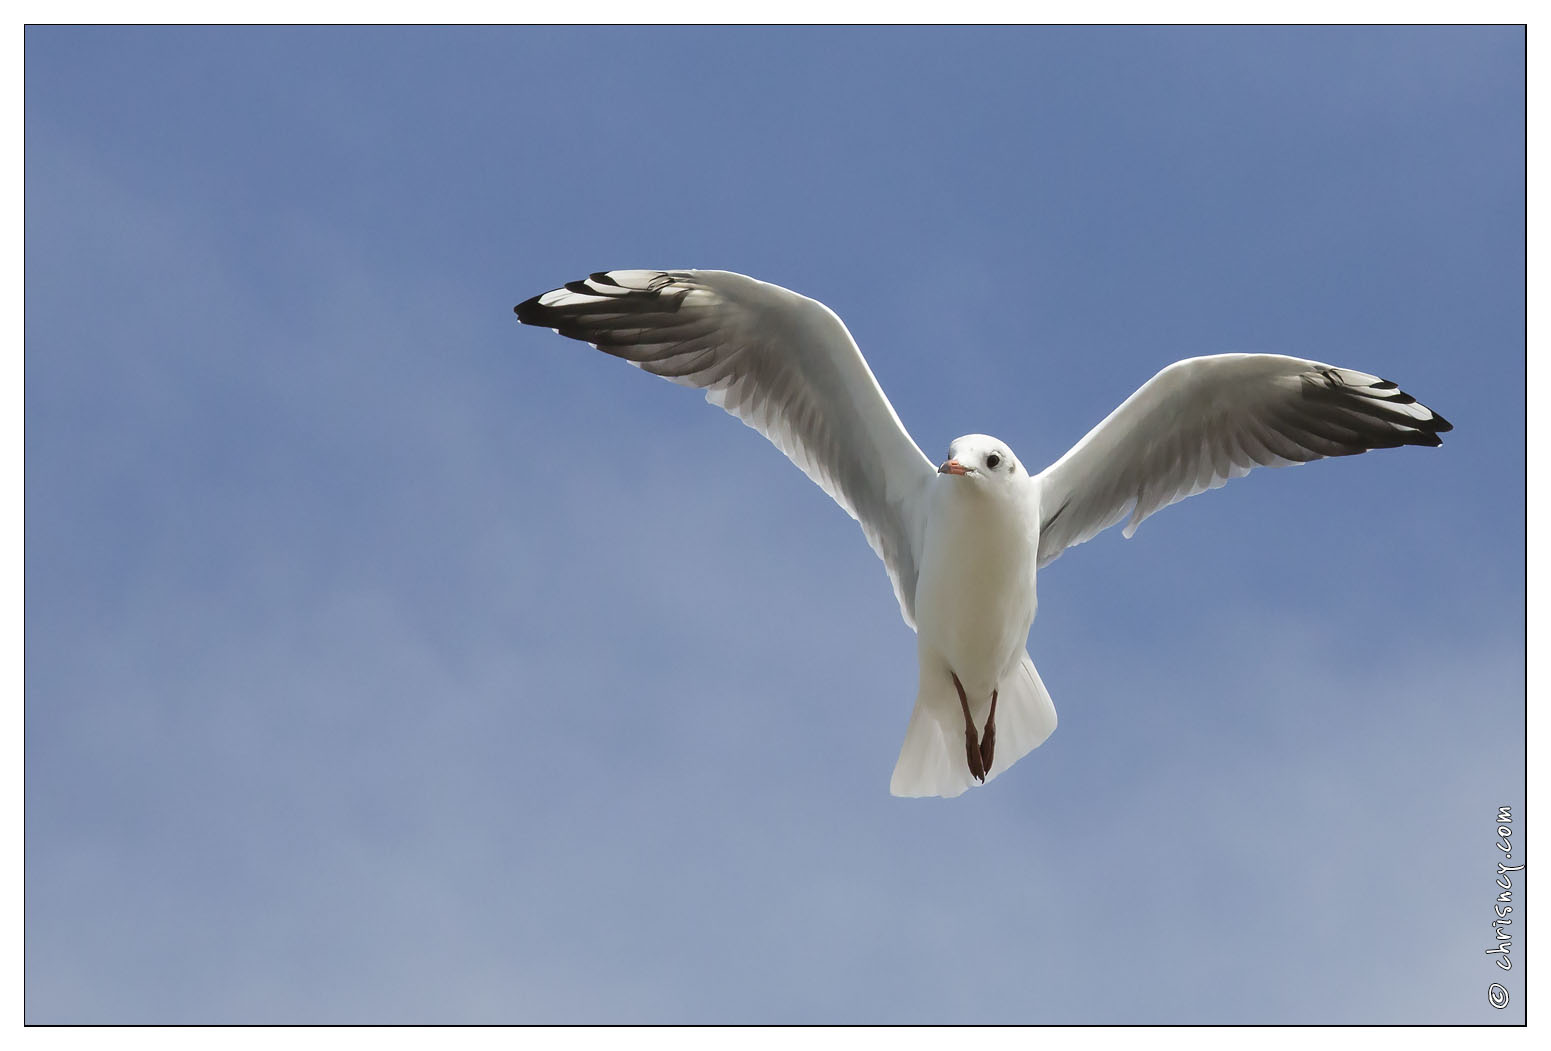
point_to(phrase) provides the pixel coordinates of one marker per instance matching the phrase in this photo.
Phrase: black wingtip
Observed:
(1435, 426)
(528, 310)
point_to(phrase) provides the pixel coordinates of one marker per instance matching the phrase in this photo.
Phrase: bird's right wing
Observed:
(780, 362)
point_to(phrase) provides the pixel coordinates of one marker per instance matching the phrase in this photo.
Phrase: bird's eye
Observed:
(992, 461)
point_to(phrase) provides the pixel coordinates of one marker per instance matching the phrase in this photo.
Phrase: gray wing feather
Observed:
(1202, 421)
(780, 362)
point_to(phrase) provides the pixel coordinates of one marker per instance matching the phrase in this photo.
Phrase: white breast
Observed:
(975, 598)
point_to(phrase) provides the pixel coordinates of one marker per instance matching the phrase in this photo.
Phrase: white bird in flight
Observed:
(962, 541)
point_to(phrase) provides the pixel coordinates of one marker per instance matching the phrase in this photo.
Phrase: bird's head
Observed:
(982, 459)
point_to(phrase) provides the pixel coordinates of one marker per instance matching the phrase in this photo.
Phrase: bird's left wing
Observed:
(780, 362)
(1202, 421)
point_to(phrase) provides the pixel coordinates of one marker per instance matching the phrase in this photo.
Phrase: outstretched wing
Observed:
(780, 362)
(1202, 421)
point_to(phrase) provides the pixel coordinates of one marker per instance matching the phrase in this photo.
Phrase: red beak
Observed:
(952, 467)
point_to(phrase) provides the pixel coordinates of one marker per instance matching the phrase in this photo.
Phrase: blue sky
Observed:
(387, 661)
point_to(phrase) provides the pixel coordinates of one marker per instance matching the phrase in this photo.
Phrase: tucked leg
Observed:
(988, 738)
(971, 739)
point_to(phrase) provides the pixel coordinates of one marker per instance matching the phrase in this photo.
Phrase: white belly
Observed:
(975, 595)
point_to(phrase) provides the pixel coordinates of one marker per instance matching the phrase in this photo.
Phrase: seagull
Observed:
(963, 539)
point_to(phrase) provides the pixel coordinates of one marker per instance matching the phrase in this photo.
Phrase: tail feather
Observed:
(932, 763)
